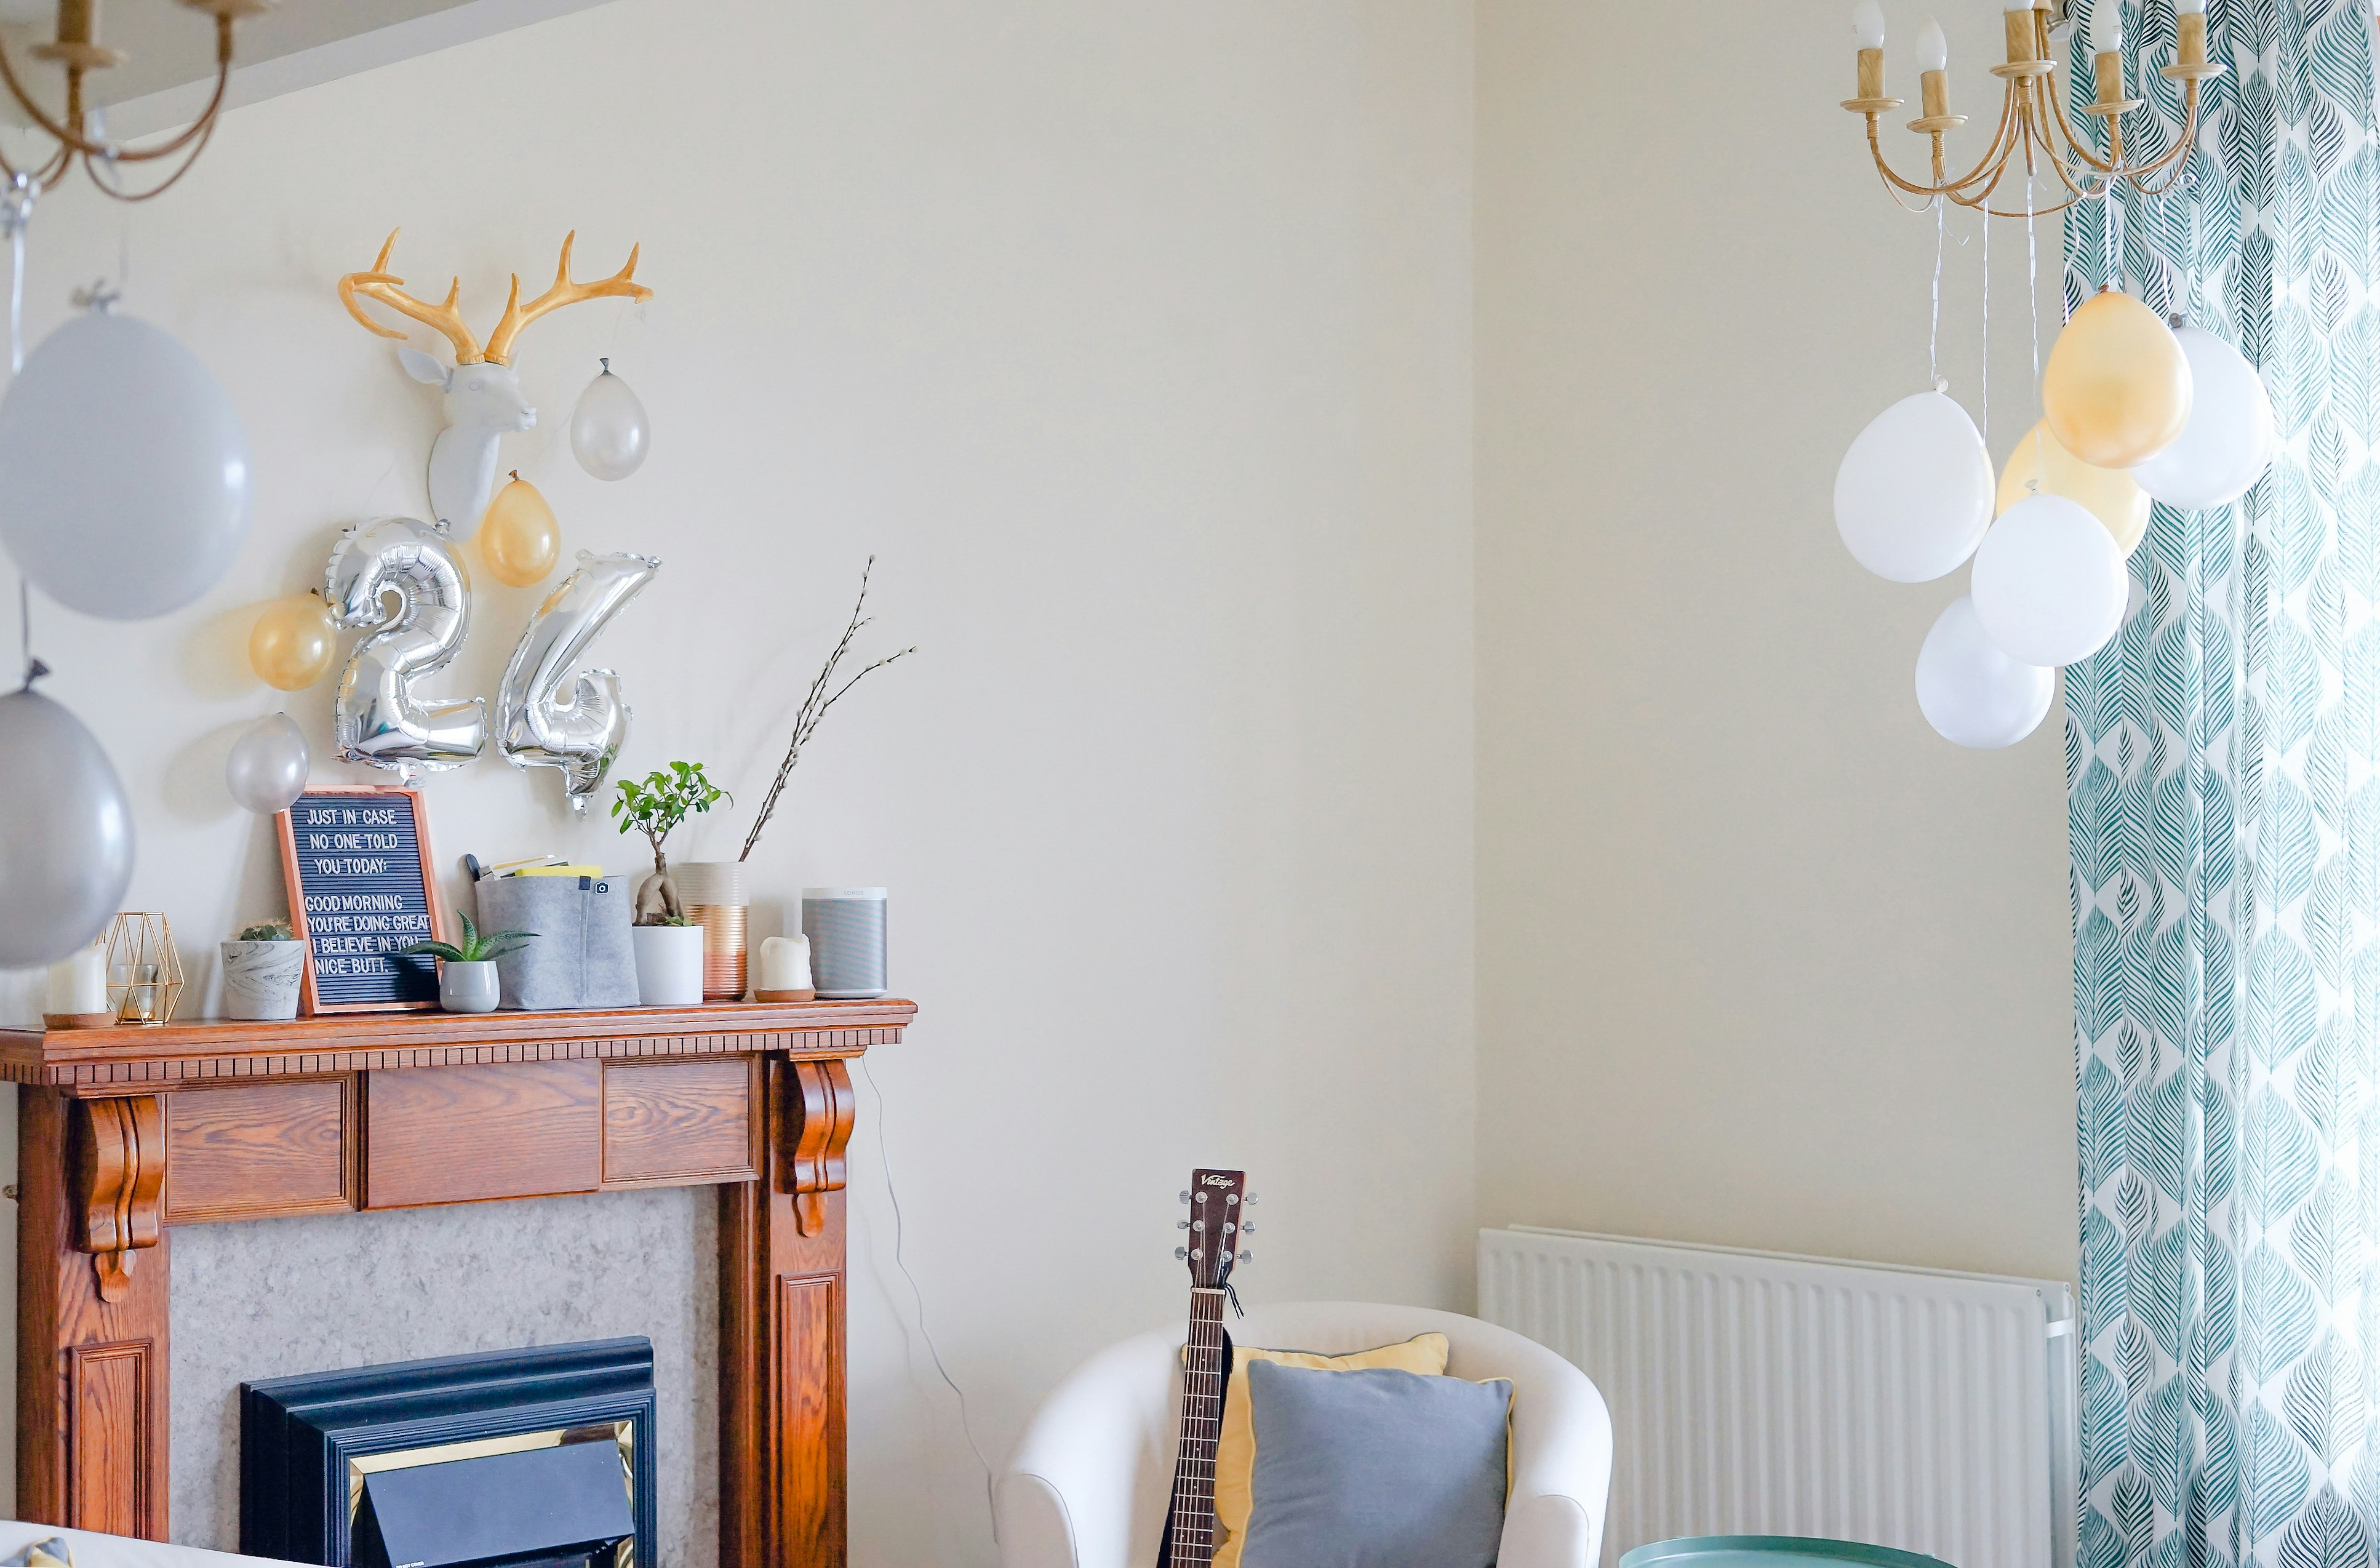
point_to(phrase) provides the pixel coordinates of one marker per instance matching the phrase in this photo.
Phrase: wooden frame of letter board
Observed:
(440, 928)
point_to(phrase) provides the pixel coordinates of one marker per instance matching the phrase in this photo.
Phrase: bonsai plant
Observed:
(666, 797)
(467, 970)
(263, 968)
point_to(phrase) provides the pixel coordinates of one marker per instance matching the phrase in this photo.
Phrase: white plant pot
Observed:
(469, 987)
(261, 979)
(669, 965)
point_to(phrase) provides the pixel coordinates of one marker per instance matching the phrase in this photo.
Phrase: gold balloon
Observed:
(2116, 391)
(2112, 495)
(520, 540)
(294, 642)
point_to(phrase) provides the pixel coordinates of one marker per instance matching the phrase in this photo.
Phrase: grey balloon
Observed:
(537, 730)
(382, 716)
(66, 833)
(126, 470)
(267, 768)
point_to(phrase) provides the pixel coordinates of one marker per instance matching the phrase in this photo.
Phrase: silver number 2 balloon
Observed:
(534, 725)
(382, 717)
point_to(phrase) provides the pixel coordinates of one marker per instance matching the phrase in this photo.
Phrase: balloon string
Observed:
(1933, 336)
(1988, 332)
(2032, 303)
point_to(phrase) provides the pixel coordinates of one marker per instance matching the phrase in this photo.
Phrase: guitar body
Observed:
(1215, 1223)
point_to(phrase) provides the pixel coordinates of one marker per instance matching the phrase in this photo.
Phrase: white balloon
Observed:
(607, 430)
(1971, 693)
(267, 768)
(125, 467)
(66, 833)
(2230, 438)
(2049, 584)
(1914, 493)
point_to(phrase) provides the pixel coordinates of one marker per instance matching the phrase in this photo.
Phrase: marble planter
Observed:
(261, 979)
(469, 987)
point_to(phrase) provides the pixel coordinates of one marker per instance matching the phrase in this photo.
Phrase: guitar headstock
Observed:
(1217, 1201)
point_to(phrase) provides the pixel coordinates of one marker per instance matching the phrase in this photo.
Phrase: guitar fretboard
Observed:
(1202, 1424)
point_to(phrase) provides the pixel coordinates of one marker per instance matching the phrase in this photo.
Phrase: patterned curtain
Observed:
(2223, 824)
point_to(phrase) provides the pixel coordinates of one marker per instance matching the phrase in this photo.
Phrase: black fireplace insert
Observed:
(509, 1459)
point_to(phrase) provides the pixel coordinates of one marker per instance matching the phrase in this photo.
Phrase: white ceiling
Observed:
(299, 43)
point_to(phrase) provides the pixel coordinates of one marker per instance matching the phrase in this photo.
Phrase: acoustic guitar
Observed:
(1216, 1224)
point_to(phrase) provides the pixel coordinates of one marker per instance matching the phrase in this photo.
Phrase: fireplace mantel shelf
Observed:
(126, 1132)
(136, 1058)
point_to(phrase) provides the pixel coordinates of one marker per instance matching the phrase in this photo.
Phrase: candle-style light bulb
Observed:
(1932, 49)
(2107, 27)
(1867, 20)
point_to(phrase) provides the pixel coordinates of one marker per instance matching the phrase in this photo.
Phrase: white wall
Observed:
(1136, 341)
(1761, 960)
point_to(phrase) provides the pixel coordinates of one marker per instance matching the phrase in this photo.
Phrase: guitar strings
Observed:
(884, 1154)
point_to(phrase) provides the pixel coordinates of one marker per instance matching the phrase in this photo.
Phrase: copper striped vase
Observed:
(714, 895)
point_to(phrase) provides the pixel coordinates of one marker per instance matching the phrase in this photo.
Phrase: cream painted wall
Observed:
(1137, 343)
(1761, 960)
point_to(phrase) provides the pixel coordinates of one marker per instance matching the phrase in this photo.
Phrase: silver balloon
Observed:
(65, 833)
(382, 717)
(534, 725)
(267, 768)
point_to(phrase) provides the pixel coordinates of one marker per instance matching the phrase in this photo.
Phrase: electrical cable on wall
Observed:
(883, 1144)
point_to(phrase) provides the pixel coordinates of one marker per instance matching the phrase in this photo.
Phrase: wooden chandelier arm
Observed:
(2053, 113)
(197, 130)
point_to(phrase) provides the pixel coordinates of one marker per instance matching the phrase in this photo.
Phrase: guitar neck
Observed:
(1202, 1424)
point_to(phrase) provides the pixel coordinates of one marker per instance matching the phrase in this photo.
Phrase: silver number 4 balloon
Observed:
(535, 726)
(382, 716)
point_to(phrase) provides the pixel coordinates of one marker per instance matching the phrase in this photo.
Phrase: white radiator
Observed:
(1755, 1394)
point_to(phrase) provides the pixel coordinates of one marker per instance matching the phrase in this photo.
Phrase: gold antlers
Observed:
(379, 284)
(389, 290)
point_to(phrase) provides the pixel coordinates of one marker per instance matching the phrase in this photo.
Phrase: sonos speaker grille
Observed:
(846, 930)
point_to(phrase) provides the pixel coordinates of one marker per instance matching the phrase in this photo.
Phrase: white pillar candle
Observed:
(785, 964)
(78, 983)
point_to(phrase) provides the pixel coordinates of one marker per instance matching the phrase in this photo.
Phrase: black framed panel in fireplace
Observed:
(308, 1443)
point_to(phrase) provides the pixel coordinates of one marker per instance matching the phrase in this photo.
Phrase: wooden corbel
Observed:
(119, 1182)
(816, 1126)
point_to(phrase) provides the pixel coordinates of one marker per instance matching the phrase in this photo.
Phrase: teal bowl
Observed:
(1771, 1551)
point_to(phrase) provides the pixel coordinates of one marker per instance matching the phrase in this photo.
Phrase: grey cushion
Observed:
(1375, 1469)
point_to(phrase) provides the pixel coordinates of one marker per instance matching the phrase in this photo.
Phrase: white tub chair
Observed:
(1088, 1485)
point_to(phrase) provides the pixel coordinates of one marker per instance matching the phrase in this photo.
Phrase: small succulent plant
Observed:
(477, 947)
(268, 931)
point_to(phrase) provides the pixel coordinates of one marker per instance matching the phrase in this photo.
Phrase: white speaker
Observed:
(846, 926)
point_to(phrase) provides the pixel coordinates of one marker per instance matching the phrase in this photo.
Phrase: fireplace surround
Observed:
(126, 1133)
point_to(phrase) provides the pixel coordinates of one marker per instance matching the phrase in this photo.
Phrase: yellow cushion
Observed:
(1235, 1450)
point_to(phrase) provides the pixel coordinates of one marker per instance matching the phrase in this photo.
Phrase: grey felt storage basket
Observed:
(581, 956)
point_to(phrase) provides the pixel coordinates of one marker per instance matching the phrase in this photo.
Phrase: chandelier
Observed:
(77, 48)
(2034, 122)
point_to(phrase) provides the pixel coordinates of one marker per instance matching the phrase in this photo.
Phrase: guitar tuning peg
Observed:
(1181, 1252)
(1181, 1224)
(1248, 1227)
(1186, 1195)
(1246, 1258)
(1251, 1197)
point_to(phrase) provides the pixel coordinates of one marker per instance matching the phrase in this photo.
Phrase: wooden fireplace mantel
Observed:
(124, 1133)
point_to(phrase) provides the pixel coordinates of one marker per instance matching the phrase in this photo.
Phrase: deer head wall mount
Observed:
(483, 395)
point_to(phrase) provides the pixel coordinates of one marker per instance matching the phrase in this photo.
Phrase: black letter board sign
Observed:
(356, 861)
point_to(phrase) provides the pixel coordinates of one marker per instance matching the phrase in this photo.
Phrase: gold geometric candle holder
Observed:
(144, 972)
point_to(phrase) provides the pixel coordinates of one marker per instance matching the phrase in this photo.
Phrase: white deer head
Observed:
(483, 395)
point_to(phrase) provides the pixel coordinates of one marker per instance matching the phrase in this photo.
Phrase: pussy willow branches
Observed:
(820, 698)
